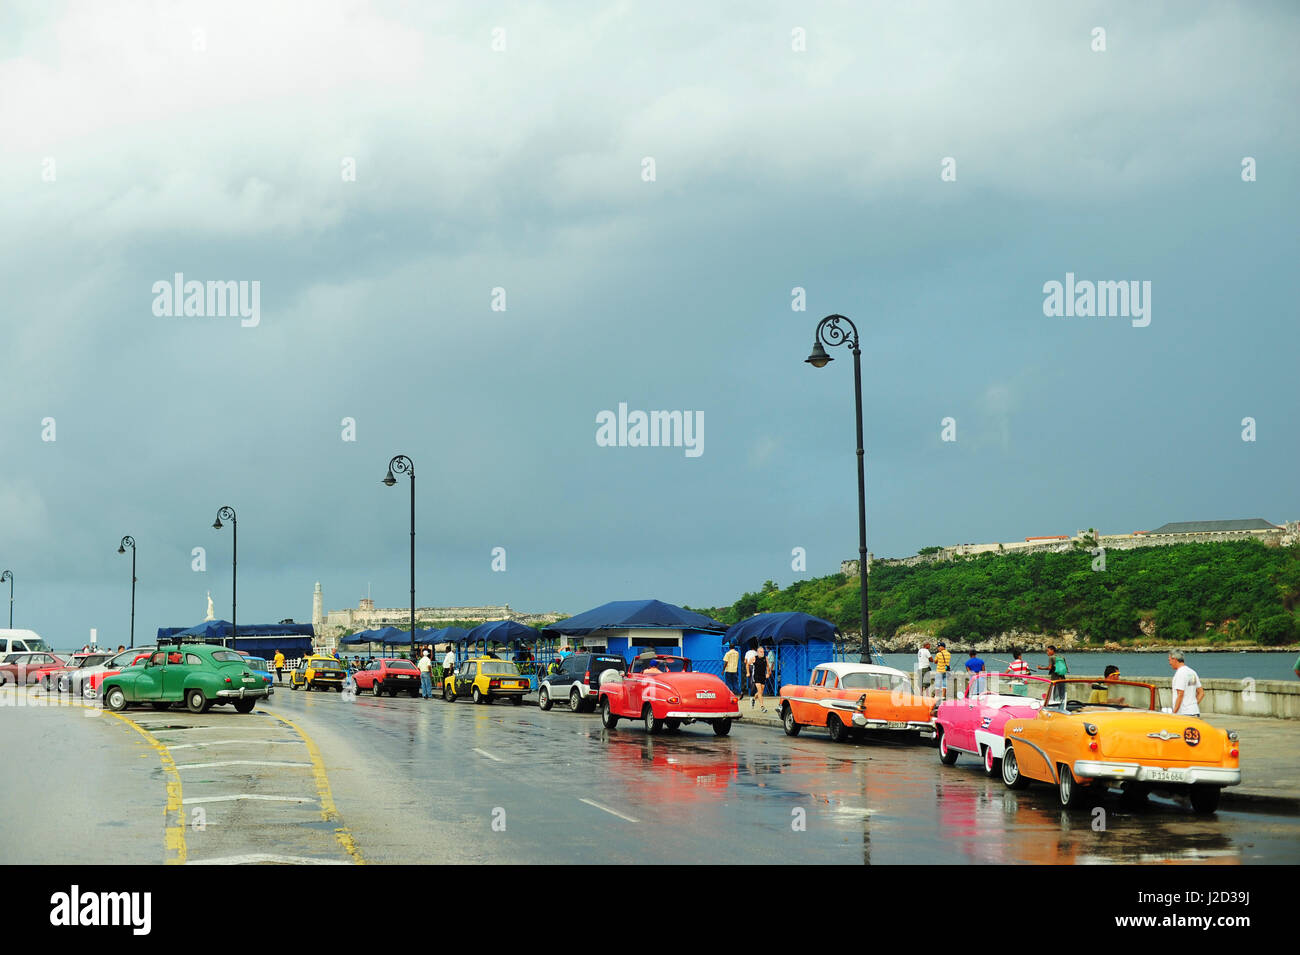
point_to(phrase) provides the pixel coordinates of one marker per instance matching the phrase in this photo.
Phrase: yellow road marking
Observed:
(174, 814)
(328, 811)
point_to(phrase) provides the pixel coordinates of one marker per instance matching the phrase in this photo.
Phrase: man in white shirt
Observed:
(922, 666)
(750, 656)
(426, 674)
(449, 662)
(1187, 688)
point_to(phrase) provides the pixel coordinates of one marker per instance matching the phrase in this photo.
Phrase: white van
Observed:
(20, 641)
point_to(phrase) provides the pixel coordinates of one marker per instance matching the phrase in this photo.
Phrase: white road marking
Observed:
(199, 799)
(612, 812)
(263, 858)
(230, 742)
(239, 762)
(481, 752)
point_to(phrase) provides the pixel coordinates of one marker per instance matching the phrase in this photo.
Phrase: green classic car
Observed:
(197, 674)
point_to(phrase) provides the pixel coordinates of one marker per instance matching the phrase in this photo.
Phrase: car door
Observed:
(148, 686)
(563, 682)
(466, 677)
(178, 667)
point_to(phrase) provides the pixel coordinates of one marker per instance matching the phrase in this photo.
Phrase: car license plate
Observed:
(404, 676)
(895, 725)
(250, 679)
(706, 696)
(1167, 775)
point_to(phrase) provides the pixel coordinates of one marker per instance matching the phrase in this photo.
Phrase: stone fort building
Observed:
(366, 616)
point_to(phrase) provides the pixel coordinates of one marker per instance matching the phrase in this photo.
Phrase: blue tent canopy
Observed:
(790, 627)
(361, 636)
(634, 614)
(291, 638)
(445, 635)
(505, 632)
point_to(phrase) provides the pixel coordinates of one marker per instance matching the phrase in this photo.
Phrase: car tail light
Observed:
(673, 699)
(586, 678)
(227, 679)
(492, 683)
(1233, 752)
(1092, 745)
(862, 701)
(734, 701)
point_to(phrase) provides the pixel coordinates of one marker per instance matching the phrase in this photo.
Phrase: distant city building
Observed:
(366, 616)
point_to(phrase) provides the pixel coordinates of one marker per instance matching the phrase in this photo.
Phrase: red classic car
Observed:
(974, 723)
(389, 675)
(112, 667)
(662, 691)
(24, 668)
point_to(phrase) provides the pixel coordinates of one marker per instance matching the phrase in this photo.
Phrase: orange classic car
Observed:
(844, 697)
(1084, 742)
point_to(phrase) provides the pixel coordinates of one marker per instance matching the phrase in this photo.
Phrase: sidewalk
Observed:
(1270, 754)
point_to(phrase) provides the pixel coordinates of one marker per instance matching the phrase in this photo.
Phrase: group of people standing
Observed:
(758, 672)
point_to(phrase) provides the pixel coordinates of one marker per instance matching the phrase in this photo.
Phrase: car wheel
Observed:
(245, 706)
(161, 706)
(1072, 794)
(88, 692)
(575, 701)
(1011, 777)
(376, 689)
(991, 762)
(792, 726)
(196, 702)
(607, 717)
(447, 695)
(652, 725)
(836, 729)
(476, 696)
(292, 685)
(115, 699)
(543, 699)
(946, 756)
(1205, 799)
(721, 727)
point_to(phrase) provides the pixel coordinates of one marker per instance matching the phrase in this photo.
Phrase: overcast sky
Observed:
(219, 140)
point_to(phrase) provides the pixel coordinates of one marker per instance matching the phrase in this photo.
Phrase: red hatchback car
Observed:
(391, 676)
(24, 668)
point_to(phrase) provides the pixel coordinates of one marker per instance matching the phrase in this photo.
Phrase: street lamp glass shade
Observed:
(818, 358)
(390, 480)
(121, 549)
(217, 524)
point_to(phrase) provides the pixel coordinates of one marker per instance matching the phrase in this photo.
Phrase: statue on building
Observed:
(211, 615)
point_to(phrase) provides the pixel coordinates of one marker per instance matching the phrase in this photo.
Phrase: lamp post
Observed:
(402, 465)
(229, 514)
(9, 576)
(831, 333)
(129, 541)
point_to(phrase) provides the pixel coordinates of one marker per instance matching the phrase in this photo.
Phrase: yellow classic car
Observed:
(1084, 743)
(484, 679)
(318, 672)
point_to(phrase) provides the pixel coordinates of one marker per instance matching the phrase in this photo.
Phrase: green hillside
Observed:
(1231, 593)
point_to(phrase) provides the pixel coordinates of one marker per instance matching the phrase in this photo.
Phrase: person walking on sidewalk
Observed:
(1186, 686)
(760, 677)
(426, 676)
(279, 667)
(750, 655)
(731, 669)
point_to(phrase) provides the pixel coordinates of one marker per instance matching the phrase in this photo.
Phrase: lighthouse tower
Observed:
(317, 610)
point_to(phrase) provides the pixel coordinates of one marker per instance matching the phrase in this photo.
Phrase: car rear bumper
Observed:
(924, 727)
(702, 715)
(244, 693)
(508, 691)
(1213, 775)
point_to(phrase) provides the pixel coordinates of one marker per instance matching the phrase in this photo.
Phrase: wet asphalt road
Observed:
(318, 777)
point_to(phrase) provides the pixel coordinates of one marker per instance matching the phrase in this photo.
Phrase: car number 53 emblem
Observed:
(1191, 736)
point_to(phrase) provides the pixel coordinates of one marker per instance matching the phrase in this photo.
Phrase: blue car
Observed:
(259, 666)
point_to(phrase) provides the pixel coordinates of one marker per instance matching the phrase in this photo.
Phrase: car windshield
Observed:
(500, 667)
(1071, 696)
(662, 665)
(872, 681)
(92, 660)
(124, 658)
(227, 656)
(37, 645)
(401, 665)
(256, 663)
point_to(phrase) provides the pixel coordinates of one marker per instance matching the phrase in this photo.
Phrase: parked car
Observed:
(21, 641)
(317, 671)
(973, 724)
(1084, 748)
(663, 692)
(843, 697)
(73, 672)
(24, 668)
(390, 675)
(261, 667)
(484, 679)
(578, 680)
(198, 674)
(94, 677)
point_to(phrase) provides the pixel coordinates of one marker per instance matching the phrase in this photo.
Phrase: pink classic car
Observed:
(974, 724)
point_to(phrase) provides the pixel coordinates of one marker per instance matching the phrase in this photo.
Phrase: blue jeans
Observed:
(426, 685)
(733, 682)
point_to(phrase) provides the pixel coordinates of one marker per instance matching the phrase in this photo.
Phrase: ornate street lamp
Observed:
(9, 576)
(229, 514)
(121, 549)
(830, 332)
(402, 465)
